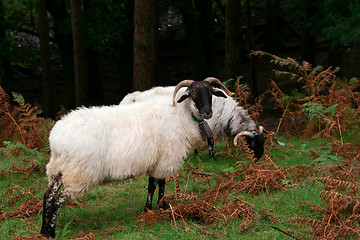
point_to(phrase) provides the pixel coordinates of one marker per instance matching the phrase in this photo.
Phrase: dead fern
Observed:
(6, 109)
(202, 207)
(89, 236)
(37, 236)
(322, 105)
(330, 228)
(341, 215)
(27, 207)
(291, 118)
(177, 186)
(332, 183)
(33, 128)
(238, 208)
(245, 154)
(349, 203)
(263, 176)
(325, 106)
(206, 213)
(244, 97)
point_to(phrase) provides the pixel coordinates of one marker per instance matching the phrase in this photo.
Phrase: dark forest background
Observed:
(72, 53)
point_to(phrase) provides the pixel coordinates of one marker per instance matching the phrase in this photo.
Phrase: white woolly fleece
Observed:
(93, 145)
(228, 117)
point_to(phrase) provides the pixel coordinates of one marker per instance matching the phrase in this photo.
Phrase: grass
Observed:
(115, 210)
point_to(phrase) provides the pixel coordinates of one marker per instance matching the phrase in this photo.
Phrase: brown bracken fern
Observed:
(5, 108)
(327, 107)
(33, 128)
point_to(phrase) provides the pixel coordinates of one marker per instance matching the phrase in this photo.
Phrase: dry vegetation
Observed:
(326, 107)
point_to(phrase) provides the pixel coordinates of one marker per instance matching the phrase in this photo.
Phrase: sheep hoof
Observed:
(211, 154)
(147, 208)
(163, 205)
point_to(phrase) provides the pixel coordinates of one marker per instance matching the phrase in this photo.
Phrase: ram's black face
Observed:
(202, 97)
(256, 144)
(201, 94)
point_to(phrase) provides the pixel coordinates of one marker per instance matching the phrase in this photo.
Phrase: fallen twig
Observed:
(202, 173)
(288, 234)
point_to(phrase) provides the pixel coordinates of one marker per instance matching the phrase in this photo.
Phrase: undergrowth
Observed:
(325, 106)
(302, 188)
(22, 120)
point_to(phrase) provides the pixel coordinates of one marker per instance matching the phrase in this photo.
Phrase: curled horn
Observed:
(212, 80)
(243, 133)
(184, 83)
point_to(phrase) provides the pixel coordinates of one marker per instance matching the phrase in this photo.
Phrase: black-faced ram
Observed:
(229, 120)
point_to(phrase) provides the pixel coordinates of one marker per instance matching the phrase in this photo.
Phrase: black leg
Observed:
(151, 190)
(45, 220)
(53, 200)
(210, 142)
(162, 203)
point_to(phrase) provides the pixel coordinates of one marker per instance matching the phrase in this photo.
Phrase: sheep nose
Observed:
(207, 113)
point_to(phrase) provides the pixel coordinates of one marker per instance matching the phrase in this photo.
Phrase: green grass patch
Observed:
(115, 210)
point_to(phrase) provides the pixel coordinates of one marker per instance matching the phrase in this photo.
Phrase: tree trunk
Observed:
(145, 44)
(79, 54)
(124, 50)
(47, 82)
(273, 35)
(64, 40)
(251, 44)
(2, 44)
(233, 39)
(95, 86)
(206, 29)
(192, 33)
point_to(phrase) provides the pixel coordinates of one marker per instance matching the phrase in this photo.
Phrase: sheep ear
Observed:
(218, 93)
(184, 96)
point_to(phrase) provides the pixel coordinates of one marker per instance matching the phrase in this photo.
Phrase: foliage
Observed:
(298, 10)
(20, 20)
(104, 23)
(342, 22)
(6, 109)
(245, 99)
(332, 107)
(303, 188)
(316, 111)
(339, 21)
(253, 201)
(326, 101)
(32, 128)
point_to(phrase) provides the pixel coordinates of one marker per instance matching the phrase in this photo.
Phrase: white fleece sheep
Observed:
(93, 145)
(228, 118)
